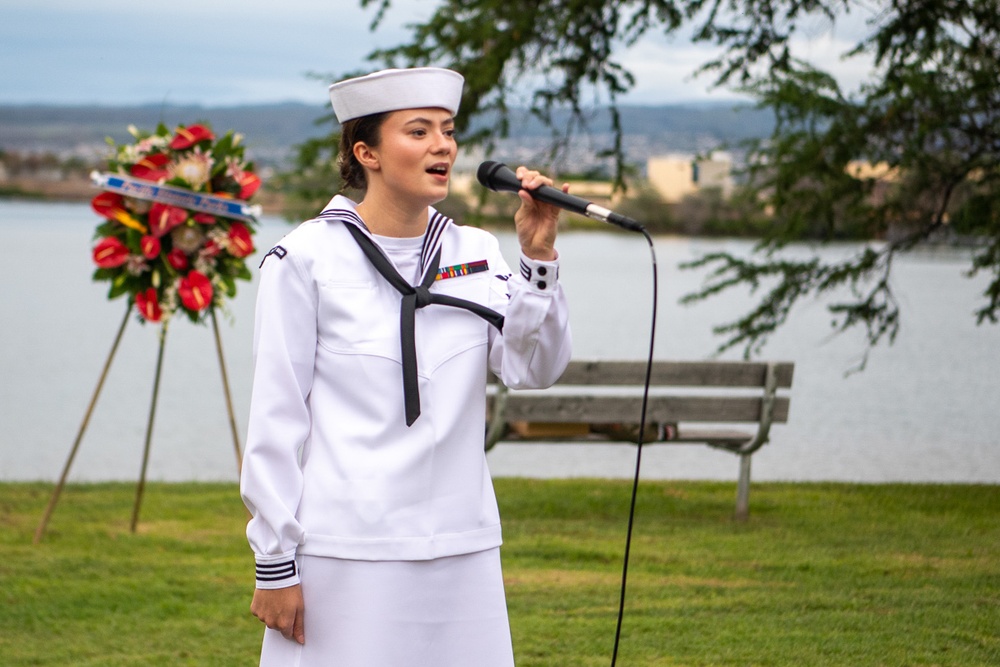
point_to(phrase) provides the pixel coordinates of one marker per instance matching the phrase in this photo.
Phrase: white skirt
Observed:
(447, 612)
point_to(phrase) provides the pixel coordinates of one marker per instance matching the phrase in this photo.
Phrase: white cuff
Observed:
(279, 571)
(542, 277)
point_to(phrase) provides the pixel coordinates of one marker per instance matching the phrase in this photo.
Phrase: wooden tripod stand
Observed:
(140, 488)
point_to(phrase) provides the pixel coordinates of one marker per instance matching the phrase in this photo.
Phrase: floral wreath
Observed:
(178, 228)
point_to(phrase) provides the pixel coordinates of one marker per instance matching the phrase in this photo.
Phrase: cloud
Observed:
(221, 52)
(664, 66)
(184, 51)
(664, 71)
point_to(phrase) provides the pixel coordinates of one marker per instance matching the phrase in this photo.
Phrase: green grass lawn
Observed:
(821, 574)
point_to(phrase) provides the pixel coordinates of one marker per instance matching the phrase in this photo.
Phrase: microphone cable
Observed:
(638, 451)
(498, 177)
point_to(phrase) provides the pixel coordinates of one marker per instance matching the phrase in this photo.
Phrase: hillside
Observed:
(271, 130)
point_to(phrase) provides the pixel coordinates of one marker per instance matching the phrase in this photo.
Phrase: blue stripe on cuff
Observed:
(276, 571)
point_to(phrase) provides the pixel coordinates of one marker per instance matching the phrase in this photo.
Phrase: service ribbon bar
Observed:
(462, 270)
(130, 186)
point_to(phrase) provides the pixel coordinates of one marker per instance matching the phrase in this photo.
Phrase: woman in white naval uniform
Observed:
(375, 526)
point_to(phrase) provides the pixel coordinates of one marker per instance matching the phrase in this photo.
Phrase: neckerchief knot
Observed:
(423, 296)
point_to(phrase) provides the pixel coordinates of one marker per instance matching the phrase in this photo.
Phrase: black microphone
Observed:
(499, 178)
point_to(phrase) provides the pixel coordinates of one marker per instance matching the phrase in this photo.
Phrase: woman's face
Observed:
(415, 155)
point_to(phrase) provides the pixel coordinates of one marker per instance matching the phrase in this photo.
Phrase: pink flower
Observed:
(148, 305)
(177, 259)
(110, 253)
(204, 218)
(194, 168)
(195, 291)
(240, 241)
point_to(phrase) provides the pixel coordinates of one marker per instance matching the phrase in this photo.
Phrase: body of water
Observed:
(926, 409)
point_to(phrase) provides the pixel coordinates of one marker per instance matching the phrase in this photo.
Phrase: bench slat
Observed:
(715, 436)
(675, 373)
(551, 407)
(685, 436)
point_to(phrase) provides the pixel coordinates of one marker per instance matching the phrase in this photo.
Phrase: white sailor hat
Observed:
(395, 89)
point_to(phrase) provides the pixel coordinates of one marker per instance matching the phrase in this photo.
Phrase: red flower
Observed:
(249, 182)
(150, 246)
(149, 305)
(210, 249)
(195, 291)
(177, 259)
(107, 204)
(240, 242)
(204, 218)
(164, 217)
(112, 207)
(110, 253)
(151, 167)
(186, 137)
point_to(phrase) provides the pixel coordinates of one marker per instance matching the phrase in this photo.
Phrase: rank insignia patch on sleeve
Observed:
(277, 251)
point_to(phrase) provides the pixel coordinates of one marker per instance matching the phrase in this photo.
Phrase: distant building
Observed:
(677, 176)
(880, 171)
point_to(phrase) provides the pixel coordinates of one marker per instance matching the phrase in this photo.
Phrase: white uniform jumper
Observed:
(331, 469)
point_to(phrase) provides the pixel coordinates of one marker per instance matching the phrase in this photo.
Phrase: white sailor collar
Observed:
(345, 210)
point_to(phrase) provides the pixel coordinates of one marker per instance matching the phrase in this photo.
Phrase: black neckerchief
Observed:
(414, 297)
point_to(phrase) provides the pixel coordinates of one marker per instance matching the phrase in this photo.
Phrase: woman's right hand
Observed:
(281, 609)
(536, 222)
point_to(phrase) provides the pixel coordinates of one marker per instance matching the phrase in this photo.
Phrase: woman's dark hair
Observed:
(366, 129)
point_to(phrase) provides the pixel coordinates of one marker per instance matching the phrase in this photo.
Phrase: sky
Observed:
(221, 53)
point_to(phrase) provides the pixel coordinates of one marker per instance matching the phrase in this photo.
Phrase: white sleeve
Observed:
(536, 344)
(284, 359)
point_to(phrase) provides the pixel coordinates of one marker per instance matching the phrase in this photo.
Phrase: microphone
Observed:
(499, 178)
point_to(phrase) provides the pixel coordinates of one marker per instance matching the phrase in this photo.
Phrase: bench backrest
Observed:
(677, 373)
(577, 397)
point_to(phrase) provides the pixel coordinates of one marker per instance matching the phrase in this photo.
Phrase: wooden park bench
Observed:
(729, 405)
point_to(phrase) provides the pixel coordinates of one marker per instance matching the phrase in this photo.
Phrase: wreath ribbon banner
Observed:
(130, 186)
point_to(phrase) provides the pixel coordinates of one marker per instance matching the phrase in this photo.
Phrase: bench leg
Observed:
(743, 489)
